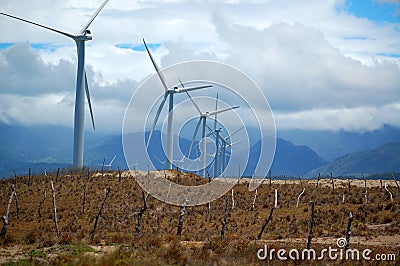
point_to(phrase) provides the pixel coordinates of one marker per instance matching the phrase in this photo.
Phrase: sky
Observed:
(322, 65)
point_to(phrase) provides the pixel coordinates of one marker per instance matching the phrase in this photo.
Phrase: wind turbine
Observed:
(169, 92)
(81, 81)
(203, 118)
(225, 144)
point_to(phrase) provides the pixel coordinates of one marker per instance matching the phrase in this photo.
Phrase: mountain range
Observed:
(50, 147)
(385, 158)
(334, 144)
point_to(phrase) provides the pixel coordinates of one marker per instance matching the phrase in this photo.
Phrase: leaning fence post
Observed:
(106, 192)
(55, 208)
(141, 211)
(265, 224)
(390, 193)
(298, 198)
(5, 216)
(397, 184)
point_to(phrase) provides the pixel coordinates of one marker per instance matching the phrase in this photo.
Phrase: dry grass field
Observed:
(31, 239)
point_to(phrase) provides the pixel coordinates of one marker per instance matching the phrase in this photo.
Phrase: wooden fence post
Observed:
(29, 177)
(365, 187)
(312, 224)
(84, 198)
(265, 224)
(298, 198)
(397, 184)
(55, 208)
(5, 216)
(180, 221)
(233, 200)
(40, 205)
(106, 193)
(348, 232)
(254, 200)
(58, 172)
(390, 193)
(224, 221)
(141, 211)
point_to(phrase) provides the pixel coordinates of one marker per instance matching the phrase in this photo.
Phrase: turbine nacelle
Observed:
(85, 36)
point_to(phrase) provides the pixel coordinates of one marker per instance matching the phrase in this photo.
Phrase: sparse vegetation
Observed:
(118, 242)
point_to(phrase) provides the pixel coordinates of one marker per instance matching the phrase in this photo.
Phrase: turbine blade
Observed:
(156, 119)
(180, 81)
(89, 102)
(193, 88)
(159, 73)
(40, 25)
(234, 143)
(212, 132)
(195, 105)
(235, 132)
(93, 17)
(194, 136)
(221, 111)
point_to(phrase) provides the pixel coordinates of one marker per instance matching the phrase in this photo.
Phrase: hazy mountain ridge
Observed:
(385, 158)
(50, 147)
(334, 144)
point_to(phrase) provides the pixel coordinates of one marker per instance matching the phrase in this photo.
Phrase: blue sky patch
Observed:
(390, 55)
(36, 46)
(45, 46)
(361, 38)
(138, 47)
(5, 45)
(373, 10)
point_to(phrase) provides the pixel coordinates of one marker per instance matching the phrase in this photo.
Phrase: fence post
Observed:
(55, 208)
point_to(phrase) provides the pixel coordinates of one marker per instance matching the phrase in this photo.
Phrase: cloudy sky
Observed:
(331, 64)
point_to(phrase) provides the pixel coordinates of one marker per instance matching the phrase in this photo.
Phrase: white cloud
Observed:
(363, 118)
(310, 58)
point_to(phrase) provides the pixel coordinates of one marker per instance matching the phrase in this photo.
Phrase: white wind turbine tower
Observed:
(169, 92)
(203, 118)
(224, 144)
(80, 38)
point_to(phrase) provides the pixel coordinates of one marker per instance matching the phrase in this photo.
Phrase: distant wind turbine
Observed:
(81, 81)
(225, 144)
(169, 92)
(203, 118)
